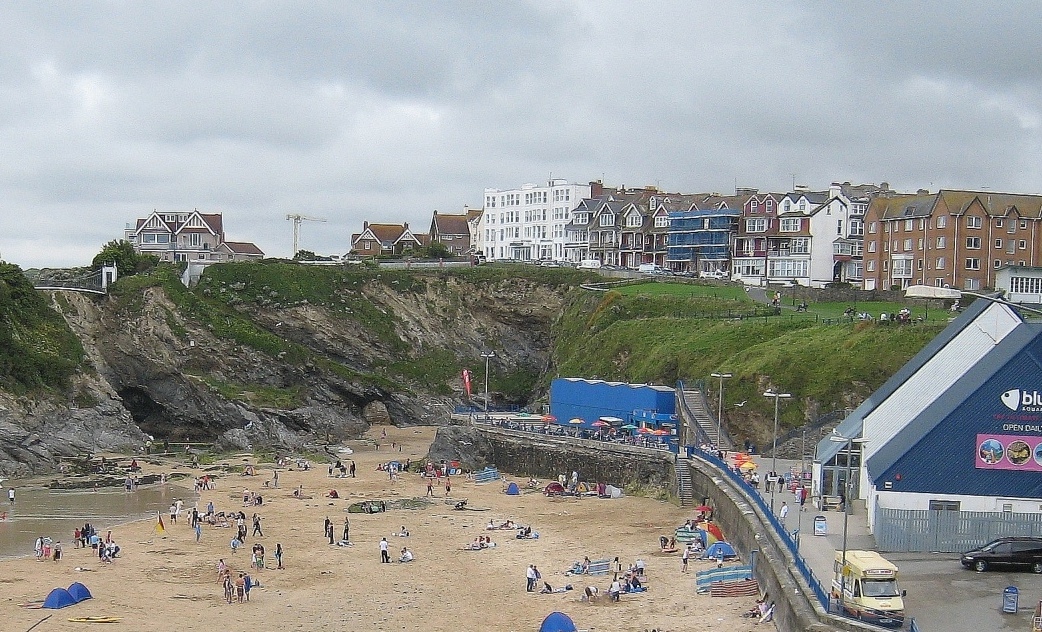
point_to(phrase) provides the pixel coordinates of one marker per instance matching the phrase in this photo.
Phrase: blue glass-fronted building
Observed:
(700, 239)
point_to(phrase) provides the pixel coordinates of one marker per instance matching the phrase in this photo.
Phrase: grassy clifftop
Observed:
(37, 348)
(658, 336)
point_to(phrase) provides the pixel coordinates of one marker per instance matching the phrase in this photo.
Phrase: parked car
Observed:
(1014, 552)
(713, 274)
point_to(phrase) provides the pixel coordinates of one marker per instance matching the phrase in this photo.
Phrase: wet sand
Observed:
(168, 584)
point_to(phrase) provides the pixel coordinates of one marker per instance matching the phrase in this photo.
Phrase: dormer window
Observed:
(607, 219)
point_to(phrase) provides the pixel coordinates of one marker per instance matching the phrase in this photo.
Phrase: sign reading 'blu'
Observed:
(1018, 400)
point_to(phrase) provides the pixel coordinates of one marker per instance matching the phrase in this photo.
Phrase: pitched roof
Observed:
(244, 248)
(450, 224)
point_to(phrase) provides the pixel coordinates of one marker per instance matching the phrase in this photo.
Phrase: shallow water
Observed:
(40, 512)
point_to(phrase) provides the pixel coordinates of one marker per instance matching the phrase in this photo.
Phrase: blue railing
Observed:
(789, 539)
(478, 410)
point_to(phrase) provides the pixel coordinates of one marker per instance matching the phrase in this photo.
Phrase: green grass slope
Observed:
(37, 348)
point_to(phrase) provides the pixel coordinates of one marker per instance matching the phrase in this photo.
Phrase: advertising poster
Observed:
(1009, 452)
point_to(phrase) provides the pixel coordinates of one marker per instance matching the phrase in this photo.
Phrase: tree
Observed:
(128, 262)
(436, 250)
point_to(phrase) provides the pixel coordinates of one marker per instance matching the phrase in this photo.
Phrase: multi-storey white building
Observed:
(528, 223)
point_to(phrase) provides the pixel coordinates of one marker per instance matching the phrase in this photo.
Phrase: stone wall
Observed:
(546, 457)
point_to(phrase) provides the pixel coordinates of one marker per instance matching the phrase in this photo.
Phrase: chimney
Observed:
(365, 225)
(405, 226)
(596, 188)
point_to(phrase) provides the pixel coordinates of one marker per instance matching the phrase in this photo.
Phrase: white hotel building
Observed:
(528, 223)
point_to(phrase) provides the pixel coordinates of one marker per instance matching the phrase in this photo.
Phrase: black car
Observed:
(1006, 553)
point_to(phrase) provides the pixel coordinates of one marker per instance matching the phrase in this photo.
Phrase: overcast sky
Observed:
(355, 111)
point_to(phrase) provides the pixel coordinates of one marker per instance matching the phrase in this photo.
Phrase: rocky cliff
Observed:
(276, 356)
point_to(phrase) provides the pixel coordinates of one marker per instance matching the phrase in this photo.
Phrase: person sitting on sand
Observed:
(333, 494)
(462, 505)
(585, 566)
(547, 589)
(404, 533)
(406, 556)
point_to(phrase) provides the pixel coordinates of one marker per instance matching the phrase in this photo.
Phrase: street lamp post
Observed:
(720, 407)
(488, 355)
(838, 438)
(774, 450)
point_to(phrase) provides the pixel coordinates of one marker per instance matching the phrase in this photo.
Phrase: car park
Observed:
(1009, 553)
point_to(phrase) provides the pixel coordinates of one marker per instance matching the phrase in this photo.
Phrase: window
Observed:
(973, 222)
(769, 203)
(940, 242)
(998, 263)
(942, 221)
(1026, 285)
(908, 225)
(799, 246)
(870, 265)
(908, 245)
(662, 221)
(972, 264)
(1012, 227)
(1022, 244)
(789, 224)
(756, 225)
(634, 221)
(754, 204)
(871, 246)
(919, 264)
(973, 243)
(1023, 224)
(998, 243)
(607, 219)
(902, 267)
(920, 243)
(998, 222)
(939, 265)
(839, 227)
(971, 284)
(945, 505)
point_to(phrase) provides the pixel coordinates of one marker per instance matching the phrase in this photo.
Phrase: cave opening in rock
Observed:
(152, 417)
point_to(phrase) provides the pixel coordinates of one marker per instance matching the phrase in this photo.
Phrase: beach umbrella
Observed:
(660, 433)
(703, 508)
(747, 466)
(644, 430)
(549, 418)
(629, 427)
(600, 424)
(576, 421)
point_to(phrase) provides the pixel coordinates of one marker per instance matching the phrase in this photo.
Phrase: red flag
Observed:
(466, 381)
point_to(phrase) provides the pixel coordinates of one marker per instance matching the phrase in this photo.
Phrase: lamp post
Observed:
(774, 450)
(838, 438)
(488, 355)
(720, 407)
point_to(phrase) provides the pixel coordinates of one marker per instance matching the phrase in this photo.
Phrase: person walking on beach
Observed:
(384, 557)
(684, 558)
(275, 479)
(325, 528)
(448, 486)
(430, 488)
(347, 530)
(278, 555)
(329, 532)
(10, 492)
(256, 526)
(198, 530)
(352, 469)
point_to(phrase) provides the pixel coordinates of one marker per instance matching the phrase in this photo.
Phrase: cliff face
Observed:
(241, 363)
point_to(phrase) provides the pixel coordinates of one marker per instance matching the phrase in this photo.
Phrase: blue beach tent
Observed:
(513, 490)
(557, 622)
(720, 549)
(79, 592)
(59, 598)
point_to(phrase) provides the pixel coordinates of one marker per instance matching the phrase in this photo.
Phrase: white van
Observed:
(589, 264)
(647, 268)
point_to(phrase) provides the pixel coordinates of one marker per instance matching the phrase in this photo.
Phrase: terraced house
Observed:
(951, 238)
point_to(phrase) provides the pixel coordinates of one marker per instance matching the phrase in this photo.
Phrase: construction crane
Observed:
(297, 219)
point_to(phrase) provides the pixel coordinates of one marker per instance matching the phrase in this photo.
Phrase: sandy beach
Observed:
(168, 584)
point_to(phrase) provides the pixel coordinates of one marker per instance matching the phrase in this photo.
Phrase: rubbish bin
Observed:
(1010, 599)
(821, 526)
